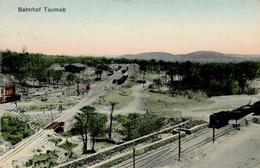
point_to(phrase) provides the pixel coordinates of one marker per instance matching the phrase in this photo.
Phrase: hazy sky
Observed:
(114, 27)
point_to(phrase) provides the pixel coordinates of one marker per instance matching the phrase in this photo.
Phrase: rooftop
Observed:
(78, 65)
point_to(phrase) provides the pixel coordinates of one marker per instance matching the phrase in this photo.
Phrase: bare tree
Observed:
(111, 118)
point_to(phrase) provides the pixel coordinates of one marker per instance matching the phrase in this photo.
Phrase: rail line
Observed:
(92, 96)
(170, 151)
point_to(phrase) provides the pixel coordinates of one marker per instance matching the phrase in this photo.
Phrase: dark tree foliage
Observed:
(88, 122)
(136, 125)
(14, 129)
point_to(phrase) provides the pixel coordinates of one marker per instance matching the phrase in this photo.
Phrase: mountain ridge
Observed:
(198, 56)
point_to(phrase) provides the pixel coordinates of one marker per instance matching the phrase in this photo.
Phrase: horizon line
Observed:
(116, 55)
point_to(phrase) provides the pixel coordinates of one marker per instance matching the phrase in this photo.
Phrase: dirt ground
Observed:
(239, 149)
(219, 103)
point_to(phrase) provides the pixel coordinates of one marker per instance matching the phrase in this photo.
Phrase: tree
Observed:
(82, 124)
(90, 122)
(111, 119)
(157, 82)
(97, 127)
(129, 126)
(71, 78)
(56, 76)
(137, 125)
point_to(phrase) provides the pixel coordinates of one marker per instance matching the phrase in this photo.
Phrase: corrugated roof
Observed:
(79, 65)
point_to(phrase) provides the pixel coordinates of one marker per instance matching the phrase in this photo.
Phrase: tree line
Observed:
(213, 78)
(91, 125)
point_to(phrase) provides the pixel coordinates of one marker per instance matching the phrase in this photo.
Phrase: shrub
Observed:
(68, 145)
(14, 129)
(137, 125)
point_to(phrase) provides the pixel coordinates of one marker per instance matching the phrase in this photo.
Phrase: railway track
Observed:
(169, 152)
(93, 94)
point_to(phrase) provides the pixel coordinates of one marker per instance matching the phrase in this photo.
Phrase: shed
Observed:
(256, 119)
(75, 67)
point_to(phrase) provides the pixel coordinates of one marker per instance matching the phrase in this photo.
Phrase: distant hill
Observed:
(199, 56)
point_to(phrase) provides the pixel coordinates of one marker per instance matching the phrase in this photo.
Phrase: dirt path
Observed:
(139, 92)
(135, 106)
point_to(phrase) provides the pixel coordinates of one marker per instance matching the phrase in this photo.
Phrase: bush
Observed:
(14, 129)
(251, 91)
(137, 125)
(192, 123)
(68, 145)
(43, 160)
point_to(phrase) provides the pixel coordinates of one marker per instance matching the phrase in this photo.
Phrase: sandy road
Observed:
(139, 93)
(34, 141)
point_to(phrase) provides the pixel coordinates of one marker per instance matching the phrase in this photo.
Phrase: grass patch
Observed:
(193, 123)
(122, 95)
(43, 160)
(67, 134)
(55, 140)
(102, 145)
(41, 123)
(169, 106)
(68, 145)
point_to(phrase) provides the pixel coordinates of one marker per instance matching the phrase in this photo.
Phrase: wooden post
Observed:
(213, 139)
(52, 118)
(179, 156)
(78, 88)
(60, 109)
(133, 157)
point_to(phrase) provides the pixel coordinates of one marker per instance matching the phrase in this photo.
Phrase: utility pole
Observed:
(179, 153)
(78, 88)
(111, 119)
(213, 138)
(60, 109)
(237, 126)
(52, 118)
(133, 157)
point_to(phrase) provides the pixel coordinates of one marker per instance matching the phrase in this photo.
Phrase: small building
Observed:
(8, 93)
(174, 78)
(75, 67)
(256, 119)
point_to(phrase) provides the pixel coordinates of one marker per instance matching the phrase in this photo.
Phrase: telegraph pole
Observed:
(213, 138)
(52, 118)
(78, 88)
(133, 157)
(179, 153)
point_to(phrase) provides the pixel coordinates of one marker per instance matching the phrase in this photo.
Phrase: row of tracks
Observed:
(166, 154)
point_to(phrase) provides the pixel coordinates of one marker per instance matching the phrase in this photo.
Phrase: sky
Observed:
(116, 27)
